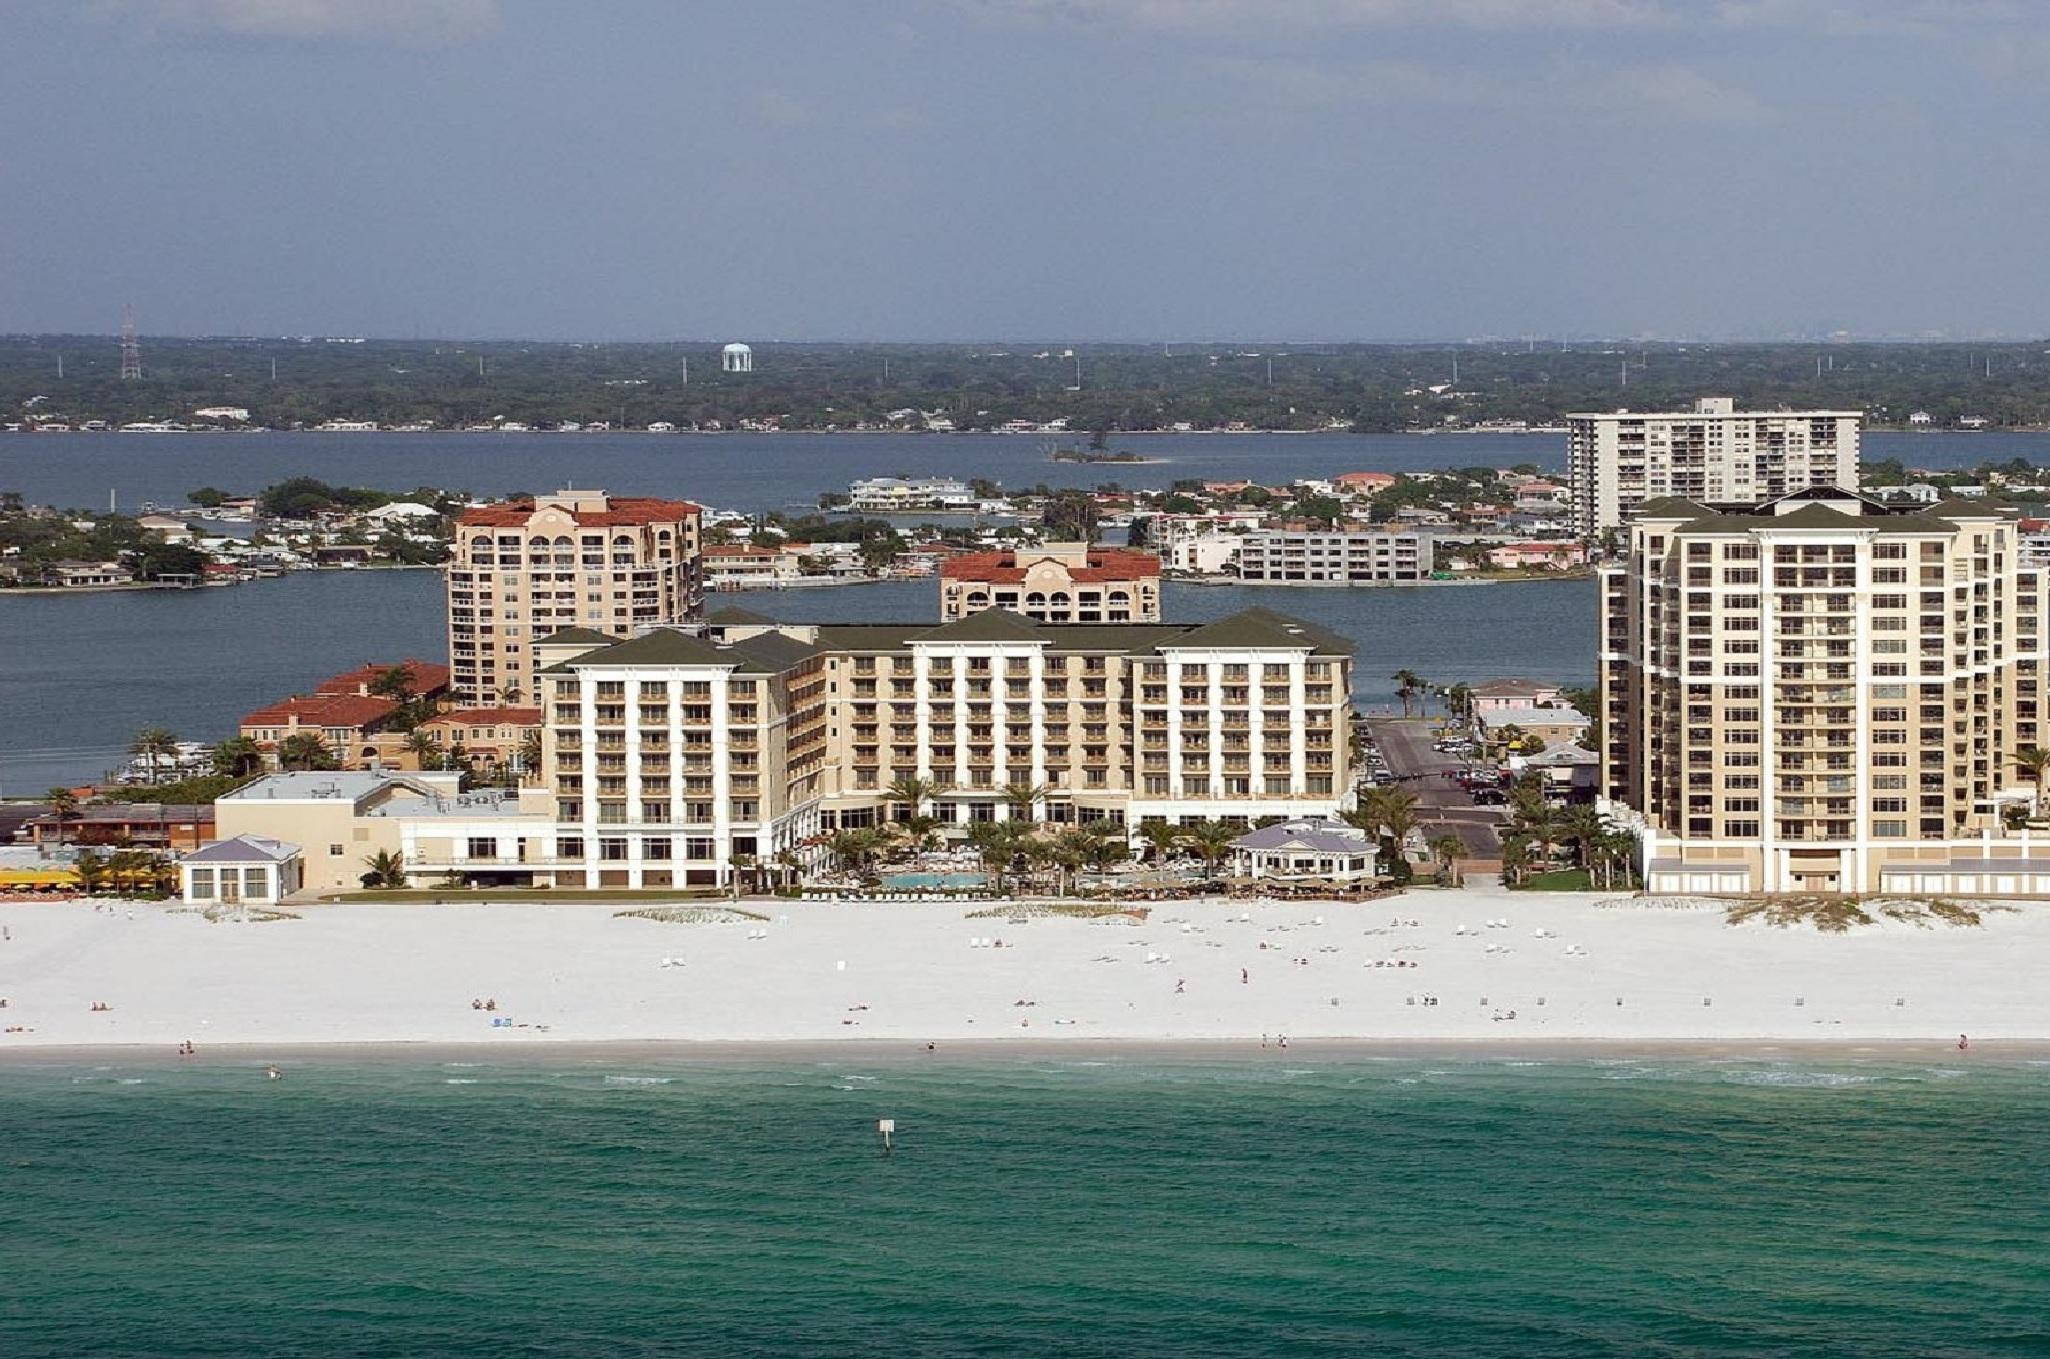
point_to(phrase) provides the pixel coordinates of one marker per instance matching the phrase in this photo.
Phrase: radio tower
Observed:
(131, 351)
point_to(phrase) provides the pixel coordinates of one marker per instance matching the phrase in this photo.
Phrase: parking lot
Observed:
(1405, 743)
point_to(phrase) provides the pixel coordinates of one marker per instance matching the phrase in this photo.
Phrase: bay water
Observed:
(1066, 1203)
(80, 675)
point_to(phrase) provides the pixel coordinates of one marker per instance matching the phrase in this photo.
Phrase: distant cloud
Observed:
(408, 21)
(1668, 90)
(779, 109)
(1282, 15)
(1832, 17)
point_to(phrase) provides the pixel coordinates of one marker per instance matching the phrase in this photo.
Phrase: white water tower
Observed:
(737, 358)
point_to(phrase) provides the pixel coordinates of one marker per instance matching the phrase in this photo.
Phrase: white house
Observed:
(248, 869)
(1314, 847)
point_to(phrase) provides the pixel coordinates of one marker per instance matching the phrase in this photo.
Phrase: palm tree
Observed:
(1407, 682)
(306, 750)
(1445, 849)
(1388, 814)
(1162, 836)
(2036, 761)
(427, 747)
(1540, 827)
(1107, 842)
(744, 866)
(63, 802)
(387, 869)
(1067, 852)
(1584, 827)
(530, 751)
(395, 683)
(90, 870)
(1618, 846)
(854, 846)
(237, 756)
(128, 868)
(919, 831)
(1212, 841)
(1459, 701)
(913, 792)
(996, 843)
(788, 866)
(1024, 800)
(154, 744)
(1515, 857)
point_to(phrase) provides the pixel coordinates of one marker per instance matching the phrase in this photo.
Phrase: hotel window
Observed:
(569, 847)
(612, 848)
(1740, 830)
(203, 883)
(483, 847)
(698, 847)
(1890, 829)
(655, 847)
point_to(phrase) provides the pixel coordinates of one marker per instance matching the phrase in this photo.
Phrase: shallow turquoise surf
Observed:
(1124, 1206)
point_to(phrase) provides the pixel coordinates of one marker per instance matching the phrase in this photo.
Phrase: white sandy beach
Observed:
(363, 974)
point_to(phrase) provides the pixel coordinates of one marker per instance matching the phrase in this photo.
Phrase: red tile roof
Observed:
(428, 677)
(1008, 568)
(622, 510)
(487, 717)
(323, 710)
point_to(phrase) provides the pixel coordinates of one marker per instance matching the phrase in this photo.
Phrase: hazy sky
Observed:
(972, 169)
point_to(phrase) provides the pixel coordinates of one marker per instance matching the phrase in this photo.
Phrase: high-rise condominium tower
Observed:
(1714, 453)
(1823, 693)
(522, 570)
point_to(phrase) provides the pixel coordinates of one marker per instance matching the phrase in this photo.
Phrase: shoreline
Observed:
(1330, 1051)
(1477, 970)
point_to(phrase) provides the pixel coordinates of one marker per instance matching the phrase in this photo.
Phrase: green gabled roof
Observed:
(1670, 507)
(869, 636)
(569, 636)
(1260, 627)
(1962, 507)
(734, 614)
(991, 625)
(660, 647)
(775, 651)
(1818, 517)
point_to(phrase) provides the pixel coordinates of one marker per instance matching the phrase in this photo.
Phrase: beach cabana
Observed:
(1315, 850)
(249, 869)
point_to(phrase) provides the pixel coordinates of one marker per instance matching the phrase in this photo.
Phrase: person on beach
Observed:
(1963, 1043)
(1244, 978)
(1179, 983)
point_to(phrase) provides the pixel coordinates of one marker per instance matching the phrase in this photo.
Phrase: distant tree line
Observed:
(1122, 388)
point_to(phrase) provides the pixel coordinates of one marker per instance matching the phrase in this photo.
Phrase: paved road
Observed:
(1441, 804)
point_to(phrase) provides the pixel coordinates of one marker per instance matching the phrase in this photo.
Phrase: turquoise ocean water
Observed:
(1033, 1206)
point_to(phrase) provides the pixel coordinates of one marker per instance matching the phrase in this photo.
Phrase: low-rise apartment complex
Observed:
(672, 755)
(680, 756)
(521, 571)
(1714, 453)
(1824, 693)
(1343, 556)
(1054, 583)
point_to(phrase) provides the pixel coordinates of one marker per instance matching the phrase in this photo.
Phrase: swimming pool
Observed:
(933, 882)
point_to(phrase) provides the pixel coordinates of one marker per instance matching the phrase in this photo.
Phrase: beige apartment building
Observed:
(1824, 693)
(670, 756)
(520, 571)
(1340, 556)
(1714, 453)
(680, 756)
(1054, 583)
